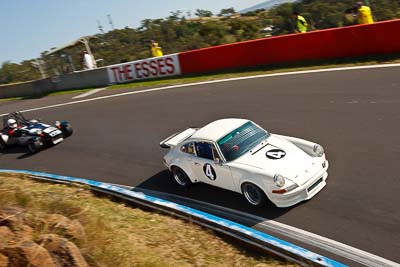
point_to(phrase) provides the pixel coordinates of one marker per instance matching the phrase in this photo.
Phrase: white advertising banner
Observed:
(155, 67)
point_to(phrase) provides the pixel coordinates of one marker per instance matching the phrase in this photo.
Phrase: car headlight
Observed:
(318, 150)
(279, 180)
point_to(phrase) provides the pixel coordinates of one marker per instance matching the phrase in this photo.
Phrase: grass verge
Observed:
(10, 99)
(118, 235)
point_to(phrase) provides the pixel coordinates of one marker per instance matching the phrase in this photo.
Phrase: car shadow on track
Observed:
(164, 182)
(22, 151)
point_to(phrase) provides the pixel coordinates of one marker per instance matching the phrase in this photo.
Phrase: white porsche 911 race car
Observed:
(239, 155)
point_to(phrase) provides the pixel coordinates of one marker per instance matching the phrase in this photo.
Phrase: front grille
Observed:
(314, 185)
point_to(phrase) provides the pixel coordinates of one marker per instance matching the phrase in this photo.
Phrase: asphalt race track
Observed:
(354, 114)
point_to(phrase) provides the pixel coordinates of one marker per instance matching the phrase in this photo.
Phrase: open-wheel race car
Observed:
(240, 156)
(31, 133)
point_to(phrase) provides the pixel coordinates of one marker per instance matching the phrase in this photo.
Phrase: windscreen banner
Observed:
(156, 67)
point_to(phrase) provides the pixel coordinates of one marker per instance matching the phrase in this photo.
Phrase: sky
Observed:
(29, 27)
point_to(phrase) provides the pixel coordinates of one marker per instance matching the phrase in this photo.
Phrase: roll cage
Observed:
(21, 120)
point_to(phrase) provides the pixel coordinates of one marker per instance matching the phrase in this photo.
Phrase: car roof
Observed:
(218, 129)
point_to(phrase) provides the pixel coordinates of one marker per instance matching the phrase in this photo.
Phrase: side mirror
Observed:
(217, 161)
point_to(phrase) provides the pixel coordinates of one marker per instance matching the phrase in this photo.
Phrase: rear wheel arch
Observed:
(174, 167)
(187, 170)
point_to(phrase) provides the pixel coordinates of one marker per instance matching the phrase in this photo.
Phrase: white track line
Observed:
(211, 82)
(91, 92)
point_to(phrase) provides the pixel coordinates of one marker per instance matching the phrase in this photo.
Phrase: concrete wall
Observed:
(25, 89)
(82, 79)
(76, 80)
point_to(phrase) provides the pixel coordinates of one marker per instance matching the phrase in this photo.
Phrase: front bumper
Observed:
(304, 192)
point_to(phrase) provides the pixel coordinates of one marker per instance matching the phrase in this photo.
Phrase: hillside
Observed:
(176, 33)
(266, 5)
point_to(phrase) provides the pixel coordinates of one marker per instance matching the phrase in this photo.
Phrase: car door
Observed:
(209, 171)
(185, 159)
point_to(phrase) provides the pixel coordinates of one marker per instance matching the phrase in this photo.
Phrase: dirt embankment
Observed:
(42, 241)
(44, 224)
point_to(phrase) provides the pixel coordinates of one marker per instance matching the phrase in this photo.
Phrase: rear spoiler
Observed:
(176, 138)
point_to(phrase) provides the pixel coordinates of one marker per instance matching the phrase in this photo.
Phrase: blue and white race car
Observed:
(239, 155)
(33, 134)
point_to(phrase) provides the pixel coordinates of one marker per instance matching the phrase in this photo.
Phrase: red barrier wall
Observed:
(377, 38)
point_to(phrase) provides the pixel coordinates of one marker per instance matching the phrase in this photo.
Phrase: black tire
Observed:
(181, 177)
(254, 195)
(2, 144)
(67, 131)
(35, 146)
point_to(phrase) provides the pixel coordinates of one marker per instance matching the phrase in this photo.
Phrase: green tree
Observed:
(12, 72)
(203, 13)
(227, 12)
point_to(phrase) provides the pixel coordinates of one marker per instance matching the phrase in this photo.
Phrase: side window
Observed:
(215, 152)
(188, 148)
(204, 150)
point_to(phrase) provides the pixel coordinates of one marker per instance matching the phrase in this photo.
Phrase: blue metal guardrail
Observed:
(244, 233)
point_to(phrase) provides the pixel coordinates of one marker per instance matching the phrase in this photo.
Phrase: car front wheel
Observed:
(254, 195)
(67, 131)
(181, 177)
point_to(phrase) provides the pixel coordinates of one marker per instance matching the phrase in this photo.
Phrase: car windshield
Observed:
(241, 140)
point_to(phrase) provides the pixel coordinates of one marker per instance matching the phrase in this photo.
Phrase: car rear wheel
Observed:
(254, 195)
(181, 177)
(35, 146)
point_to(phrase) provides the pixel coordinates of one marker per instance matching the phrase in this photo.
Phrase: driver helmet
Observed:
(12, 123)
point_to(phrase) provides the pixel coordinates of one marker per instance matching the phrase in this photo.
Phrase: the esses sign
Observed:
(156, 67)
